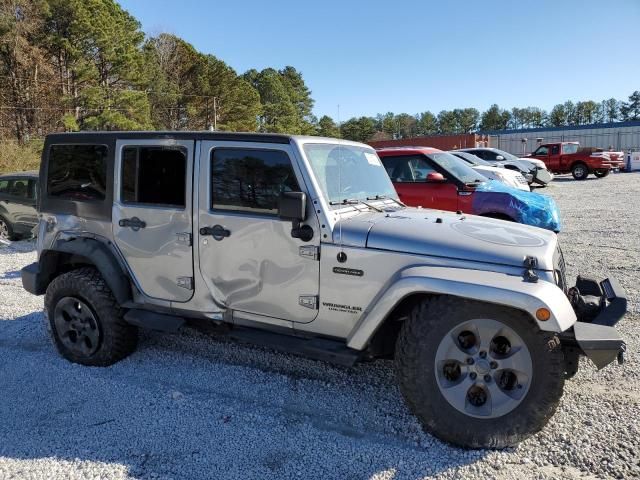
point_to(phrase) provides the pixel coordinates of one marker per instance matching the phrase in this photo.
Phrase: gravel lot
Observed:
(188, 406)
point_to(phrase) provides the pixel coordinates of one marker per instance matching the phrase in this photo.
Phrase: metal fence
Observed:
(625, 138)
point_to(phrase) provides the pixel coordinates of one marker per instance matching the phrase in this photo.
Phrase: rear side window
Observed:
(154, 176)
(77, 172)
(19, 188)
(250, 180)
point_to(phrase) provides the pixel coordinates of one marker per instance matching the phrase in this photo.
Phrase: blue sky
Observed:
(410, 56)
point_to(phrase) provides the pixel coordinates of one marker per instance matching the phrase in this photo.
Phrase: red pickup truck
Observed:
(565, 157)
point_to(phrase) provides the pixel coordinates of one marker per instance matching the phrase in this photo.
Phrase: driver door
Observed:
(248, 258)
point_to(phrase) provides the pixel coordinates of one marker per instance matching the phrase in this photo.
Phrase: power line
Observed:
(122, 89)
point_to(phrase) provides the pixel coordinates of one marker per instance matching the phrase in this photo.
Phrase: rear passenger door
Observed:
(152, 215)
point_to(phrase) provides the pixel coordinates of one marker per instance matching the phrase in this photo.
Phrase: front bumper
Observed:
(542, 176)
(599, 306)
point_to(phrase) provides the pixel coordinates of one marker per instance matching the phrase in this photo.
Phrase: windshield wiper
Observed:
(355, 201)
(346, 201)
(384, 197)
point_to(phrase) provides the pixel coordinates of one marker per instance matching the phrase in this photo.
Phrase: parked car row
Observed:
(431, 178)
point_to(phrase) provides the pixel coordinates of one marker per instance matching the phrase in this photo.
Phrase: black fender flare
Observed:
(88, 251)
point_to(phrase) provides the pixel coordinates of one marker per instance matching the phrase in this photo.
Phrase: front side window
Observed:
(348, 172)
(4, 187)
(250, 180)
(77, 172)
(407, 168)
(154, 176)
(542, 151)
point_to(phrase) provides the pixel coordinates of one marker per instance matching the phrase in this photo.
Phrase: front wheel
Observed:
(478, 375)
(6, 230)
(602, 173)
(580, 171)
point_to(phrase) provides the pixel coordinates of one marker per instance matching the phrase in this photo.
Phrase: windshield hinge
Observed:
(308, 301)
(310, 251)
(185, 238)
(185, 282)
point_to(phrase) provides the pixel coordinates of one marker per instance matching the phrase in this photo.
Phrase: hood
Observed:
(445, 234)
(536, 161)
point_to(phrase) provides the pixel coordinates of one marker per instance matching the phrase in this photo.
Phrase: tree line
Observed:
(68, 65)
(467, 120)
(86, 65)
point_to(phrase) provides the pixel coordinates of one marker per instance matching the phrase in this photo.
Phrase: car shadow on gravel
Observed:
(191, 406)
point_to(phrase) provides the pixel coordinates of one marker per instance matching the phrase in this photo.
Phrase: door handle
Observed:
(218, 232)
(134, 223)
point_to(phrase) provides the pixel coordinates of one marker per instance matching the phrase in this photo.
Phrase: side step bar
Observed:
(153, 320)
(331, 351)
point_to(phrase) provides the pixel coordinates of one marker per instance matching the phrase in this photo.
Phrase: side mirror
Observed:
(435, 177)
(499, 157)
(292, 206)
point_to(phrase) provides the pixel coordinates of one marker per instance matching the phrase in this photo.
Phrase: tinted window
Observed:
(555, 149)
(4, 187)
(250, 180)
(154, 176)
(77, 172)
(19, 188)
(407, 168)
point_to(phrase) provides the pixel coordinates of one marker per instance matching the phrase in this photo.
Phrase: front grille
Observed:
(560, 271)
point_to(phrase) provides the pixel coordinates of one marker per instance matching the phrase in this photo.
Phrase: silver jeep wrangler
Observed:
(300, 243)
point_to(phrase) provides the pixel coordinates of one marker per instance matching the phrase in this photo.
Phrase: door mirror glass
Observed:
(435, 177)
(499, 157)
(292, 206)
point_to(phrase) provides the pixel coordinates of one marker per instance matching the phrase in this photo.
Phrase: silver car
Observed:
(18, 204)
(301, 243)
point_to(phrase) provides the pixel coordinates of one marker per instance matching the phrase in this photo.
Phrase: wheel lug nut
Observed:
(494, 365)
(483, 354)
(473, 375)
(470, 361)
(487, 378)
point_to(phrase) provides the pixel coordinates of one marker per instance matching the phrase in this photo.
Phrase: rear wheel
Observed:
(602, 173)
(85, 320)
(579, 171)
(478, 375)
(6, 230)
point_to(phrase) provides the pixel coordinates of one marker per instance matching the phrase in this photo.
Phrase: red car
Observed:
(430, 178)
(565, 157)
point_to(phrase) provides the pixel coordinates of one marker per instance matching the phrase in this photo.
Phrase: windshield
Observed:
(457, 167)
(348, 172)
(506, 155)
(570, 148)
(472, 159)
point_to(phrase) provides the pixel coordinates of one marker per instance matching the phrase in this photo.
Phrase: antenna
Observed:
(340, 177)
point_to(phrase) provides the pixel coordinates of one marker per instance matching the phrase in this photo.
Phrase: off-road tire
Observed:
(118, 338)
(602, 173)
(416, 348)
(7, 228)
(579, 171)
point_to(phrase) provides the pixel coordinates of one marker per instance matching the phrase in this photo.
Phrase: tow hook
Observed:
(621, 353)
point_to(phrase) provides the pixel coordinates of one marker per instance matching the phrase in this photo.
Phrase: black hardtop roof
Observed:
(174, 135)
(30, 173)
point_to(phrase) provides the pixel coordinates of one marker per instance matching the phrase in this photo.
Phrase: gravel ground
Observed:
(188, 406)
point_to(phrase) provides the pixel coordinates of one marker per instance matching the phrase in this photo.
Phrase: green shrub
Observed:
(19, 158)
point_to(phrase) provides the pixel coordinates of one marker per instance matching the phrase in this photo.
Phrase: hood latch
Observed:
(531, 264)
